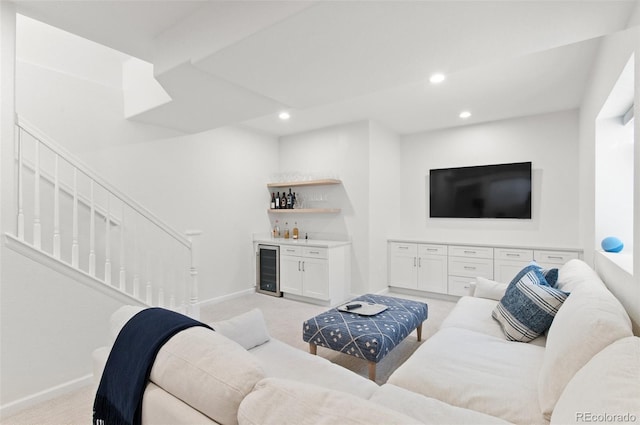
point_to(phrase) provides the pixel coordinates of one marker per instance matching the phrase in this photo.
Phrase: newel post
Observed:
(193, 309)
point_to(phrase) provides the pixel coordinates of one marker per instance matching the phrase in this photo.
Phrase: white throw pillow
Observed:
(207, 371)
(590, 319)
(606, 389)
(247, 329)
(489, 289)
(576, 273)
(283, 402)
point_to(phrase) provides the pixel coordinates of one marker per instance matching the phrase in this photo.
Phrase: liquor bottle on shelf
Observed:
(273, 200)
(286, 230)
(277, 200)
(289, 200)
(295, 230)
(293, 200)
(283, 201)
(276, 230)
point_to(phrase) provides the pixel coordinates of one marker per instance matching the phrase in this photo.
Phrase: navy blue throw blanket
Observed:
(119, 396)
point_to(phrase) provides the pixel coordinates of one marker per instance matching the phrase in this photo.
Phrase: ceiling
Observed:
(330, 62)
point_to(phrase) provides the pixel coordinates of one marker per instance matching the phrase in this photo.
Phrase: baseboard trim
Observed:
(17, 406)
(223, 298)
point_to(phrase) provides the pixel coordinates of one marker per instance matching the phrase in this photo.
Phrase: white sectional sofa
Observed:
(586, 369)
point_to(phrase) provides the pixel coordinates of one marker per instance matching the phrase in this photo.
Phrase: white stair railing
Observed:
(68, 213)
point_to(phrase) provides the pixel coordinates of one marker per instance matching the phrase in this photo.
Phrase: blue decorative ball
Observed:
(612, 244)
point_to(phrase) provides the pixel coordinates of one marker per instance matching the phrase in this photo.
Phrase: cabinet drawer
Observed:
(513, 254)
(471, 251)
(431, 250)
(554, 257)
(471, 267)
(315, 252)
(291, 250)
(398, 248)
(460, 286)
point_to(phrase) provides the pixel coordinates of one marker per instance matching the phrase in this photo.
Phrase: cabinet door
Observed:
(315, 278)
(506, 270)
(291, 274)
(403, 265)
(432, 273)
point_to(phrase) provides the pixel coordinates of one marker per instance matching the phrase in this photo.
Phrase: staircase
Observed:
(71, 219)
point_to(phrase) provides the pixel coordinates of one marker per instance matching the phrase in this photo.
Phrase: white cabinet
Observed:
(315, 273)
(465, 264)
(450, 269)
(509, 261)
(418, 266)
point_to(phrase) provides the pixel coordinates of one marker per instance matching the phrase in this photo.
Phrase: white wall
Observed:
(614, 181)
(213, 181)
(549, 141)
(614, 53)
(342, 151)
(385, 201)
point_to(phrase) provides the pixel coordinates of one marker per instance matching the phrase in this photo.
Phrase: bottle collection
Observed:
(294, 234)
(283, 201)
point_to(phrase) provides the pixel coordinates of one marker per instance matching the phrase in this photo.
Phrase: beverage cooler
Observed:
(268, 270)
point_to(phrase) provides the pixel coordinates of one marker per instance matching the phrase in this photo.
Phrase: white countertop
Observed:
(300, 242)
(490, 245)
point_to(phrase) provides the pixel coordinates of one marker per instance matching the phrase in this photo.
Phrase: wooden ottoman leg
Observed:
(372, 370)
(419, 331)
(313, 349)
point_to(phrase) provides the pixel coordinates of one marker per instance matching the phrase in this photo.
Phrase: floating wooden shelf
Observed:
(304, 210)
(305, 183)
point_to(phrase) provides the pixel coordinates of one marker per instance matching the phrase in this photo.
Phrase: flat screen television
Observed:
(487, 191)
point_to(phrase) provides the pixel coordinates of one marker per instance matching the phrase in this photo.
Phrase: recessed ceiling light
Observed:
(284, 115)
(436, 78)
(465, 114)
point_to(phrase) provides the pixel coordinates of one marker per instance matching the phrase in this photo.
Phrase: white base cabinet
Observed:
(450, 269)
(418, 266)
(315, 274)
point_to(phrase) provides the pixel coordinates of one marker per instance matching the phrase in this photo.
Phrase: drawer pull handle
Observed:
(469, 268)
(432, 249)
(414, 261)
(403, 247)
(314, 252)
(509, 254)
(556, 257)
(469, 252)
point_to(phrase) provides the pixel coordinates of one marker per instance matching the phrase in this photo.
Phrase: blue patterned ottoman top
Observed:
(368, 337)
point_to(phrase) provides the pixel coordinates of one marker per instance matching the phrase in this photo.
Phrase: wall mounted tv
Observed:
(487, 191)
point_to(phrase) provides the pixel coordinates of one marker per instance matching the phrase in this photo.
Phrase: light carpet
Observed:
(284, 319)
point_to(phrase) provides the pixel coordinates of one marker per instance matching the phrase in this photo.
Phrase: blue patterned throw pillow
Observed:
(550, 275)
(528, 306)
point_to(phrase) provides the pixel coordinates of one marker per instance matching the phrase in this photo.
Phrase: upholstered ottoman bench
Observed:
(367, 337)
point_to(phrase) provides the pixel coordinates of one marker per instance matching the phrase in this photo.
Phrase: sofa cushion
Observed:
(606, 389)
(280, 360)
(208, 371)
(476, 371)
(247, 329)
(428, 410)
(281, 402)
(528, 307)
(475, 314)
(590, 319)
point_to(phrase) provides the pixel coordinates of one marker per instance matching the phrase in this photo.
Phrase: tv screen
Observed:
(488, 191)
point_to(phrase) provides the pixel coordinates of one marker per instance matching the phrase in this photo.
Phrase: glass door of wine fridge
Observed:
(268, 270)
